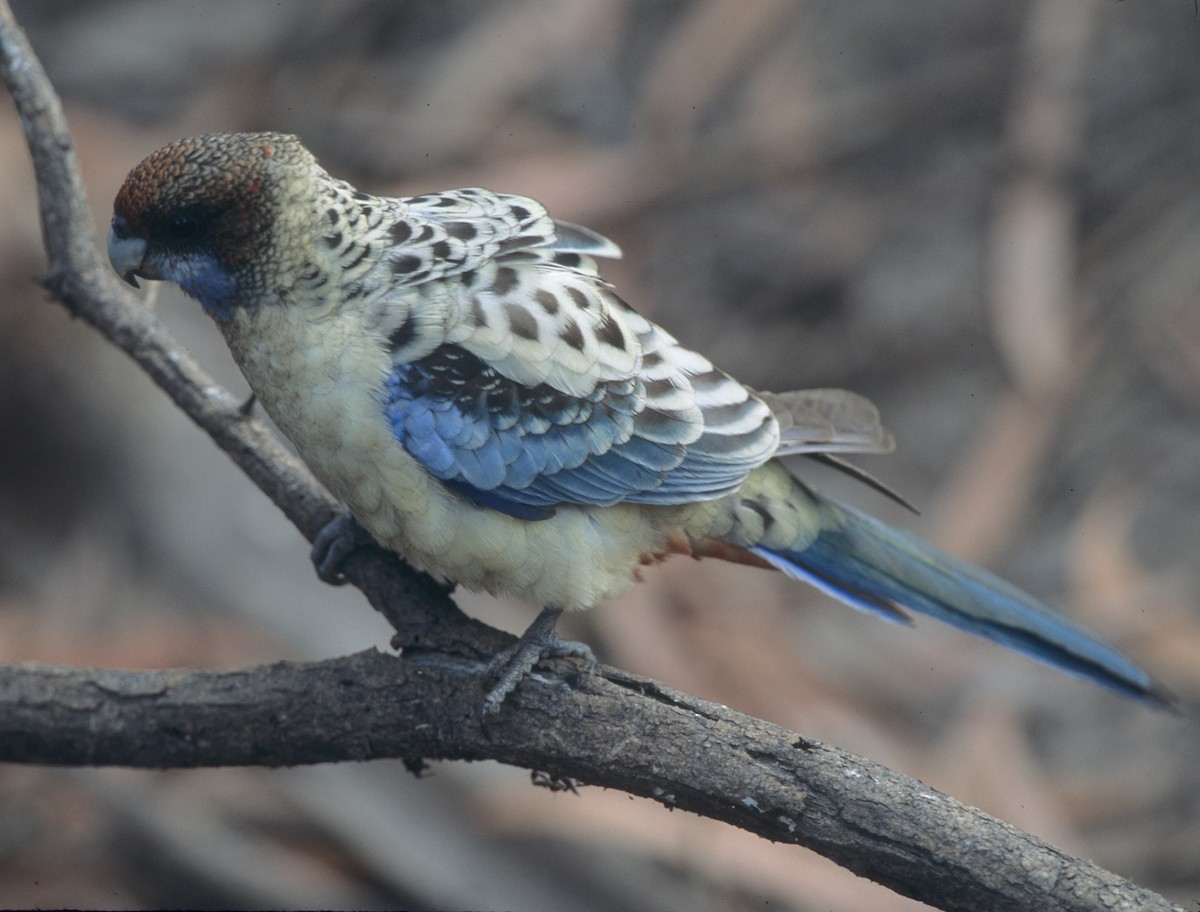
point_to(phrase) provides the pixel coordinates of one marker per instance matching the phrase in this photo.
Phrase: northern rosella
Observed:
(453, 368)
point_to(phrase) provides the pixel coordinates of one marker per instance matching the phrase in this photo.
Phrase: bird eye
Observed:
(183, 228)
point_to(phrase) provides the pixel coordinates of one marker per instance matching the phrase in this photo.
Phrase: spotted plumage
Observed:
(454, 368)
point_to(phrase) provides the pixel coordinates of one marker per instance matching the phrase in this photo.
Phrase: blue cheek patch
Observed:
(201, 278)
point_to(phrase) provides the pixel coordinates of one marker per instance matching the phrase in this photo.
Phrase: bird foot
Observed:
(334, 543)
(510, 666)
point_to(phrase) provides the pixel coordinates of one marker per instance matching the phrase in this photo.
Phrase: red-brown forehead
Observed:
(203, 169)
(146, 181)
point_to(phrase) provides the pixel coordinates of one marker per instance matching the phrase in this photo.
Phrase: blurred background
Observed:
(983, 216)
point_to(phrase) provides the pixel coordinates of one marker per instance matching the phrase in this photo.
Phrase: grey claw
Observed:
(509, 667)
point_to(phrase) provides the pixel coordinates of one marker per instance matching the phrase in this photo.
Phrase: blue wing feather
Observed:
(561, 449)
(494, 501)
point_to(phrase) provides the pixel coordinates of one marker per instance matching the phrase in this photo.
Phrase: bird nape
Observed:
(455, 370)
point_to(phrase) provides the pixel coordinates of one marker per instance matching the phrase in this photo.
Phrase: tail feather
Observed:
(880, 569)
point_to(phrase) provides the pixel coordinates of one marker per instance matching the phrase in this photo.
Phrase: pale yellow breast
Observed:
(319, 376)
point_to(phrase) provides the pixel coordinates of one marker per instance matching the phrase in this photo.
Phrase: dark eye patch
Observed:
(180, 226)
(183, 228)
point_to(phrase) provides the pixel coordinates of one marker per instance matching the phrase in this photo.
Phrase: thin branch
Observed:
(601, 727)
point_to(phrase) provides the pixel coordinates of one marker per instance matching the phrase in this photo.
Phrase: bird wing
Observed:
(545, 388)
(827, 421)
(437, 235)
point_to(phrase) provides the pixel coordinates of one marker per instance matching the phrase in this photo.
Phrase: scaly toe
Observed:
(340, 536)
(509, 667)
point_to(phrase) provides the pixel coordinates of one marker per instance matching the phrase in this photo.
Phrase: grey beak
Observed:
(126, 252)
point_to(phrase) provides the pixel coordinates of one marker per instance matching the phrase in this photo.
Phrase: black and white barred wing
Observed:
(547, 389)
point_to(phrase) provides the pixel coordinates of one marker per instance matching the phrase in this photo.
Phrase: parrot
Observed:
(455, 370)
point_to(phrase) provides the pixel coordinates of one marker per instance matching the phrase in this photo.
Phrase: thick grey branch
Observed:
(604, 728)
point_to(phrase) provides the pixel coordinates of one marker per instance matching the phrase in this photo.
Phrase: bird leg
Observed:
(343, 535)
(510, 666)
(333, 544)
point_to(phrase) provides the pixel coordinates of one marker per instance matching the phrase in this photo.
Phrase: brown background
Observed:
(985, 216)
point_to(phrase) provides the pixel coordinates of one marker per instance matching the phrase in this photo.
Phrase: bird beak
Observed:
(126, 251)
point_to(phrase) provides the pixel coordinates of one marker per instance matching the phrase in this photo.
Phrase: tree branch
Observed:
(607, 729)
(601, 726)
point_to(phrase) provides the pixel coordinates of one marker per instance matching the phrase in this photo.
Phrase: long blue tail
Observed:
(881, 569)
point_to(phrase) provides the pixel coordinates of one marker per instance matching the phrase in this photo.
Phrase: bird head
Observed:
(203, 212)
